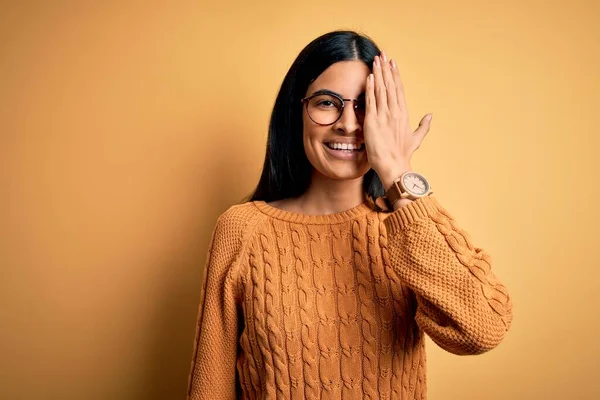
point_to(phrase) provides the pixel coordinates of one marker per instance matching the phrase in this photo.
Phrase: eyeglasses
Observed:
(325, 107)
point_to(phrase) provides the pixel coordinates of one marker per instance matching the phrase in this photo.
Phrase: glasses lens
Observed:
(324, 109)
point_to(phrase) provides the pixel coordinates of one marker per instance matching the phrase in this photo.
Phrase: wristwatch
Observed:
(411, 185)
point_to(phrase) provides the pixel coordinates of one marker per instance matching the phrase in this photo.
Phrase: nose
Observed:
(348, 122)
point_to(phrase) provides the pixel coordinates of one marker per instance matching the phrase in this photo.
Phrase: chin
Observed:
(338, 169)
(344, 173)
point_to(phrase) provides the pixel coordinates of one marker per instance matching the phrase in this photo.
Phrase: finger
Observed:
(370, 96)
(423, 126)
(388, 80)
(380, 95)
(399, 87)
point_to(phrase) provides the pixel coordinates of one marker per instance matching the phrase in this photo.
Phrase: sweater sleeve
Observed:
(213, 367)
(461, 304)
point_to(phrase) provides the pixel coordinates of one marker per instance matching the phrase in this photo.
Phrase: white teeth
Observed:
(345, 146)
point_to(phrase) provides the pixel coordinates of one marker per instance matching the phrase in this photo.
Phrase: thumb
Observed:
(424, 125)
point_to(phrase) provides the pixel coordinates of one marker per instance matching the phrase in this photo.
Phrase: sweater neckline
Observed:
(290, 216)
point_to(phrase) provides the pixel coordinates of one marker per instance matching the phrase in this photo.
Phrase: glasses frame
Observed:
(330, 93)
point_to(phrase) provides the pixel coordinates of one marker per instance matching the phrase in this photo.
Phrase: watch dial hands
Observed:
(415, 182)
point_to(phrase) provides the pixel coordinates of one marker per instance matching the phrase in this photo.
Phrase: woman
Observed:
(324, 283)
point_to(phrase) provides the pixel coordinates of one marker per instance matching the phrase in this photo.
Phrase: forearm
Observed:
(461, 303)
(401, 203)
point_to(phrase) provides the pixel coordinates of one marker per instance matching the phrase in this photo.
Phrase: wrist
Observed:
(388, 176)
(401, 203)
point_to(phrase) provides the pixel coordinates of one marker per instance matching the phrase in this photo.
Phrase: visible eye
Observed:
(326, 103)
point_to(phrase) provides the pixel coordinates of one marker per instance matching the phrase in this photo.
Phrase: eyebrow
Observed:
(327, 91)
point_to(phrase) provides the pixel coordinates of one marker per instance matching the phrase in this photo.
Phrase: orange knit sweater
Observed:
(336, 306)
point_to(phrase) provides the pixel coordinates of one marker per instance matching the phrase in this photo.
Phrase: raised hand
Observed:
(389, 141)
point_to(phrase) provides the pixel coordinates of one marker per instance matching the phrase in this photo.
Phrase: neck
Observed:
(327, 196)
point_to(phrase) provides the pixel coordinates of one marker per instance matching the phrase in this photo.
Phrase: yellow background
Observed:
(128, 127)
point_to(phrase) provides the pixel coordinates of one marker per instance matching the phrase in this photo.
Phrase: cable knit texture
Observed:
(336, 306)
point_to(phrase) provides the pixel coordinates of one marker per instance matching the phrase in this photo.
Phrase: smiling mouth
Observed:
(346, 154)
(360, 148)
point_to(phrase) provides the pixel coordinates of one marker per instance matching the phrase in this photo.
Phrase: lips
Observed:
(344, 155)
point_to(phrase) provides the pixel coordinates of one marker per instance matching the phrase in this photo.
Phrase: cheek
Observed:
(309, 147)
(312, 134)
(313, 137)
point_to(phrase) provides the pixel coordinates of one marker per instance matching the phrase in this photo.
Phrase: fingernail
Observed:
(384, 56)
(376, 61)
(429, 116)
(393, 64)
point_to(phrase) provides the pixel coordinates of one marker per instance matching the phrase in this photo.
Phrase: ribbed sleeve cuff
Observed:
(419, 209)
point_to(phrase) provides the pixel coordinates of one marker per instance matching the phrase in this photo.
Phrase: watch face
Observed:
(415, 183)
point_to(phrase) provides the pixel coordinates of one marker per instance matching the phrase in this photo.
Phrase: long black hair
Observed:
(286, 170)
